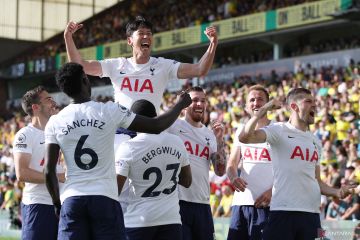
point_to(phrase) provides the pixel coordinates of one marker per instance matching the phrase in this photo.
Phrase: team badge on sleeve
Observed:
(20, 141)
(124, 110)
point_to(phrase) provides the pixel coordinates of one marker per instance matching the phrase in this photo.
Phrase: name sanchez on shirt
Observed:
(83, 123)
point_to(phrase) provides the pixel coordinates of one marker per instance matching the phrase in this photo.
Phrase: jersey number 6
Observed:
(79, 151)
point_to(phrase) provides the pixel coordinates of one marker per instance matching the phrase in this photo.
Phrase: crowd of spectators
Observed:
(337, 125)
(109, 26)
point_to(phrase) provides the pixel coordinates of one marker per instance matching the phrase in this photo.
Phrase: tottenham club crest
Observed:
(124, 110)
(21, 138)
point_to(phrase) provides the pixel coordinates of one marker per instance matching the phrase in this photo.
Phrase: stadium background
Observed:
(282, 44)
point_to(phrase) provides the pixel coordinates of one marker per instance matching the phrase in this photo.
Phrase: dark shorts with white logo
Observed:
(38, 222)
(247, 222)
(91, 217)
(197, 221)
(161, 232)
(292, 225)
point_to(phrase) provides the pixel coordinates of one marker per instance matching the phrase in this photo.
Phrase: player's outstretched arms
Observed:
(91, 67)
(160, 123)
(187, 70)
(51, 179)
(185, 176)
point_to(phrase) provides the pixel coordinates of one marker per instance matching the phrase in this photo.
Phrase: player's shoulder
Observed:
(27, 130)
(162, 60)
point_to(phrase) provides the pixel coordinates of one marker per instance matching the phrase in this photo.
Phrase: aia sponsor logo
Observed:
(256, 154)
(197, 150)
(304, 154)
(137, 85)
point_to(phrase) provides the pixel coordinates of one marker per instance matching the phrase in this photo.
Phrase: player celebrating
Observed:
(140, 76)
(84, 132)
(37, 209)
(251, 199)
(295, 203)
(154, 164)
(204, 146)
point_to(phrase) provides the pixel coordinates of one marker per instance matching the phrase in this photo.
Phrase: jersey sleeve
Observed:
(50, 136)
(123, 160)
(121, 115)
(172, 66)
(184, 160)
(23, 142)
(272, 132)
(110, 66)
(236, 136)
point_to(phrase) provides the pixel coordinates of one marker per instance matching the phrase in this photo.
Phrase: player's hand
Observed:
(239, 184)
(264, 199)
(269, 106)
(71, 28)
(346, 190)
(57, 208)
(211, 33)
(184, 99)
(218, 129)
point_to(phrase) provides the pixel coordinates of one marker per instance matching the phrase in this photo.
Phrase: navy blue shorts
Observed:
(197, 221)
(292, 225)
(38, 222)
(161, 232)
(91, 217)
(247, 222)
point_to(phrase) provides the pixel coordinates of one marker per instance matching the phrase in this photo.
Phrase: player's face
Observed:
(47, 105)
(141, 40)
(255, 100)
(307, 109)
(197, 108)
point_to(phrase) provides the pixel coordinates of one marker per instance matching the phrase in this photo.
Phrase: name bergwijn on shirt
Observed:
(160, 150)
(83, 123)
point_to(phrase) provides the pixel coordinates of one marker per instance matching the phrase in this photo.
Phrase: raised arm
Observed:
(248, 133)
(91, 67)
(187, 70)
(163, 121)
(51, 179)
(185, 177)
(218, 158)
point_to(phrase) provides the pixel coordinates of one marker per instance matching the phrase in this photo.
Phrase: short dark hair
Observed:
(69, 78)
(296, 94)
(139, 22)
(144, 107)
(31, 97)
(258, 87)
(196, 89)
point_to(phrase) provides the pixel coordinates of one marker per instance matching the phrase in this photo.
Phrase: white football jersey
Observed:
(295, 154)
(152, 163)
(200, 144)
(256, 170)
(133, 81)
(123, 197)
(85, 134)
(31, 140)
